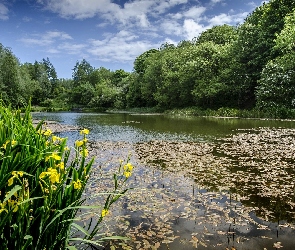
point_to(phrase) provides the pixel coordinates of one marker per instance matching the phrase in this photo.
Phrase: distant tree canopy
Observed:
(246, 66)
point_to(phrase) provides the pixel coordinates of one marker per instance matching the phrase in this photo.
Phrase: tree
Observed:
(42, 85)
(51, 73)
(82, 72)
(222, 34)
(254, 46)
(9, 77)
(105, 95)
(100, 74)
(276, 87)
(140, 64)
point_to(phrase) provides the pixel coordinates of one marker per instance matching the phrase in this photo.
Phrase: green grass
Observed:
(41, 189)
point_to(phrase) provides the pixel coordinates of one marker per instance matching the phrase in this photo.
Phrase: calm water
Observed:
(134, 128)
(138, 128)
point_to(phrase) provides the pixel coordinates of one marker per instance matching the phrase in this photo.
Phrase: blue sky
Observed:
(107, 33)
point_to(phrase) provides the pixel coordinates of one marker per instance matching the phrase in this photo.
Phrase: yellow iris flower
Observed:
(79, 143)
(84, 131)
(104, 212)
(77, 184)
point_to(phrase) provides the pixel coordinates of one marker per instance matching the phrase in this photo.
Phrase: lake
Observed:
(199, 182)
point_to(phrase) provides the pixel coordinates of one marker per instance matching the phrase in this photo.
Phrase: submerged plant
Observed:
(41, 188)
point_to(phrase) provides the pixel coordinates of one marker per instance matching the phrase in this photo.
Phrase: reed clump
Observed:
(41, 186)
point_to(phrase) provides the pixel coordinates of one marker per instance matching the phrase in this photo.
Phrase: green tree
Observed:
(105, 95)
(82, 72)
(276, 89)
(254, 46)
(9, 78)
(222, 34)
(140, 61)
(100, 74)
(51, 73)
(42, 85)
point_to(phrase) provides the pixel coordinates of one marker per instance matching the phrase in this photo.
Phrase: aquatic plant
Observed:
(42, 185)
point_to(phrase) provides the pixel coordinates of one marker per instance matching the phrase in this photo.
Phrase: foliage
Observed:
(222, 34)
(41, 189)
(225, 66)
(254, 46)
(276, 88)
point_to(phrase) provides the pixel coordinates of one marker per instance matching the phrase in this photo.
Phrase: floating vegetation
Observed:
(236, 193)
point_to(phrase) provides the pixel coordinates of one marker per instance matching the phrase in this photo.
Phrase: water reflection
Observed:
(137, 128)
(237, 192)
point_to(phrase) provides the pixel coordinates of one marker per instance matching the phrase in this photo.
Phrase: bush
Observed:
(41, 189)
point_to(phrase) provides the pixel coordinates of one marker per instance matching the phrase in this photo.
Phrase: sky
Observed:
(108, 33)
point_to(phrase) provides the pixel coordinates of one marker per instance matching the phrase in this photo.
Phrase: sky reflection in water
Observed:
(196, 213)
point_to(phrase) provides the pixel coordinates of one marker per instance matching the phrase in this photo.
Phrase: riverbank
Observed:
(56, 127)
(188, 111)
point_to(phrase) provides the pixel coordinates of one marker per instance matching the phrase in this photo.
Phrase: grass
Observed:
(41, 188)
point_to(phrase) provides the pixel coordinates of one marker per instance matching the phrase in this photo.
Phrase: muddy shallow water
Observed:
(234, 190)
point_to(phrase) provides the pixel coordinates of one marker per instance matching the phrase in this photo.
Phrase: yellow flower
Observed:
(127, 174)
(66, 148)
(128, 167)
(15, 174)
(54, 155)
(43, 174)
(10, 181)
(77, 184)
(12, 143)
(104, 212)
(48, 132)
(2, 207)
(55, 138)
(79, 143)
(15, 208)
(54, 175)
(61, 166)
(85, 131)
(40, 132)
(84, 152)
(13, 205)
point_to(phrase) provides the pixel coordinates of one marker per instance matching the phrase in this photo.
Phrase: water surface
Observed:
(190, 209)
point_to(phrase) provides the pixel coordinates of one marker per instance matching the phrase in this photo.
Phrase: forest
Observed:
(250, 67)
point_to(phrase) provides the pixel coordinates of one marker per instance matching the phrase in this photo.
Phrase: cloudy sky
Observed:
(107, 33)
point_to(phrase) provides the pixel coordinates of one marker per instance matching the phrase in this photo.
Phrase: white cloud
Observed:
(195, 13)
(227, 19)
(79, 9)
(171, 27)
(192, 29)
(48, 38)
(163, 6)
(72, 48)
(121, 47)
(27, 19)
(220, 19)
(215, 1)
(3, 12)
(53, 51)
(133, 13)
(134, 18)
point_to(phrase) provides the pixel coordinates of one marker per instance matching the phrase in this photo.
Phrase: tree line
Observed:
(248, 66)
